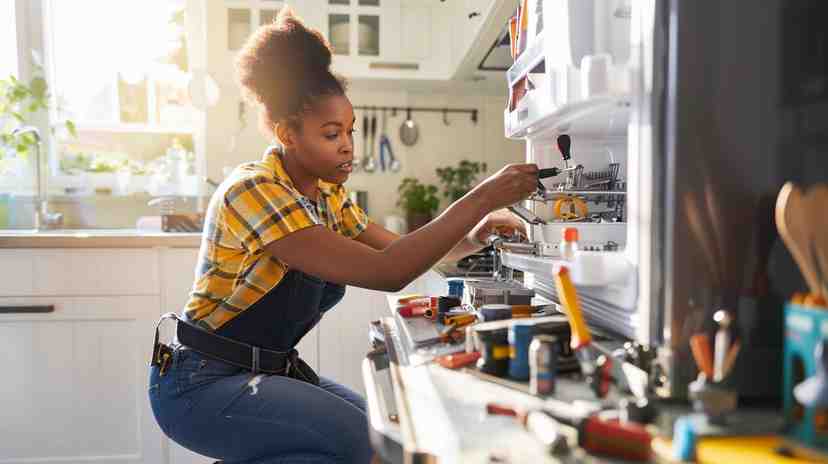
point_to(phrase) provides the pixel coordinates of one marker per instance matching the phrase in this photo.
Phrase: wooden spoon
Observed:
(818, 213)
(792, 221)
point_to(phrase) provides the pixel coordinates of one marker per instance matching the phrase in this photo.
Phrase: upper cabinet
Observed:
(376, 39)
(371, 39)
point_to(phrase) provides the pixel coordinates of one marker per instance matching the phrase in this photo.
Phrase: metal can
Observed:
(543, 364)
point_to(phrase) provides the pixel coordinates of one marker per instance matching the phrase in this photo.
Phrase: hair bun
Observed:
(284, 64)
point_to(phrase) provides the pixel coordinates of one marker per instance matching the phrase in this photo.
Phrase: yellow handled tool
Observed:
(569, 300)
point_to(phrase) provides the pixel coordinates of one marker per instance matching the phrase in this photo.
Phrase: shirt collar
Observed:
(273, 161)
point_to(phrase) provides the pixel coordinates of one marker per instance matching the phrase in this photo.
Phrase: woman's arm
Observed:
(330, 256)
(379, 238)
(501, 222)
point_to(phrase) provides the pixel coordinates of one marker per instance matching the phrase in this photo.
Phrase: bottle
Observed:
(569, 243)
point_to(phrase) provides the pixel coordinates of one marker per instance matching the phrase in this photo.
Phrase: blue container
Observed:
(455, 287)
(805, 328)
(520, 335)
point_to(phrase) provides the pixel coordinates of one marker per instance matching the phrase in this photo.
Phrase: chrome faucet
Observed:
(43, 219)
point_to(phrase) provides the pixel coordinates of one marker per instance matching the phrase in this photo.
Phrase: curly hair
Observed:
(285, 67)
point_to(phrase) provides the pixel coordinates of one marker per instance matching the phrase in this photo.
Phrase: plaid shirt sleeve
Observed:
(259, 211)
(354, 219)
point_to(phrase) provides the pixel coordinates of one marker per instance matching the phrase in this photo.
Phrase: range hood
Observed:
(499, 56)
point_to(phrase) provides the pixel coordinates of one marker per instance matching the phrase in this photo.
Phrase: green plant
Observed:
(457, 181)
(416, 197)
(19, 101)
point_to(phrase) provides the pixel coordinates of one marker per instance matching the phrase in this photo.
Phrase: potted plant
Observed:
(457, 181)
(419, 201)
(19, 102)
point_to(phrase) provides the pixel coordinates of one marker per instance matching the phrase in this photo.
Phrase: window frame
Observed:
(50, 68)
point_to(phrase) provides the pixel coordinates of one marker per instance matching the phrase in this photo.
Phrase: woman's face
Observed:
(325, 145)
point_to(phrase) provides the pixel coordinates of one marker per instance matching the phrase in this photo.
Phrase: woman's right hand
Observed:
(513, 183)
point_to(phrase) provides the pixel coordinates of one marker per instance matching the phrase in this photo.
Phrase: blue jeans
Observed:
(224, 412)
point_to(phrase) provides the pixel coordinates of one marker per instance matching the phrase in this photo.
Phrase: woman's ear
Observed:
(285, 135)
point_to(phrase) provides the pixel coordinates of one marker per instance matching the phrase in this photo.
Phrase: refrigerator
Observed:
(690, 114)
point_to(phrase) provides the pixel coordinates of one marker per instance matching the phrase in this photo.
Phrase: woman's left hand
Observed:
(500, 222)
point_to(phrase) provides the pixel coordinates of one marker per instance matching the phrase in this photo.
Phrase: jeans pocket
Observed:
(195, 370)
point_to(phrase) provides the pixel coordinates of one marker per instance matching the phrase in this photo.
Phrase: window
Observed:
(8, 39)
(121, 65)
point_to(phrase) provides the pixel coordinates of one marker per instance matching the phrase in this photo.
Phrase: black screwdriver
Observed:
(564, 145)
(544, 173)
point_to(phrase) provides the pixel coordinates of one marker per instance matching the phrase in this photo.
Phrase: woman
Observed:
(281, 242)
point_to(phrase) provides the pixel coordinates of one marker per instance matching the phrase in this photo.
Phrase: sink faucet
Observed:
(43, 219)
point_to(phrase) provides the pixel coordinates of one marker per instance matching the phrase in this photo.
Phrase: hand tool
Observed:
(596, 368)
(543, 426)
(721, 343)
(792, 222)
(412, 311)
(595, 435)
(544, 173)
(460, 320)
(564, 145)
(700, 347)
(730, 359)
(458, 360)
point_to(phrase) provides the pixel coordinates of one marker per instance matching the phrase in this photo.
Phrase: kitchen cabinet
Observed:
(74, 383)
(343, 332)
(469, 17)
(74, 380)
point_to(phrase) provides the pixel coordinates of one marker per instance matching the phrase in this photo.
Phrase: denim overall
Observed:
(228, 413)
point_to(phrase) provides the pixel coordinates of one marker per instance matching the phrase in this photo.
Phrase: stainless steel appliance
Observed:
(708, 111)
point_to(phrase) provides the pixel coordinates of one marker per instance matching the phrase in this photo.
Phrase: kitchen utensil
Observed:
(363, 160)
(792, 222)
(371, 165)
(818, 213)
(409, 132)
(386, 150)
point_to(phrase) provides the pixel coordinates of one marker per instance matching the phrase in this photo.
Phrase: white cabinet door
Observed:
(343, 336)
(73, 387)
(177, 274)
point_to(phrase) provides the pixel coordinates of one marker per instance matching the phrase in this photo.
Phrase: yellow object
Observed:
(755, 449)
(569, 300)
(570, 208)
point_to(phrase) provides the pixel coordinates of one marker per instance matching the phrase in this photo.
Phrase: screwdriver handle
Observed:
(615, 439)
(548, 172)
(569, 300)
(700, 347)
(564, 145)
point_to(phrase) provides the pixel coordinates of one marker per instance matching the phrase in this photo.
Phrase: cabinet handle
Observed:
(27, 309)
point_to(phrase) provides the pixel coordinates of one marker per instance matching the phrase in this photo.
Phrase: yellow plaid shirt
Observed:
(257, 205)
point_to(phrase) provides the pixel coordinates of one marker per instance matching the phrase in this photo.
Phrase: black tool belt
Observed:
(256, 360)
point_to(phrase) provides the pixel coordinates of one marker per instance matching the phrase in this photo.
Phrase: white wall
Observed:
(438, 144)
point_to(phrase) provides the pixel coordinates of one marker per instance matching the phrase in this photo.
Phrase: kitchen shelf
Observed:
(603, 115)
(589, 269)
(527, 61)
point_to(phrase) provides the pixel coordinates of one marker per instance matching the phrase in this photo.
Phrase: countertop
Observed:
(96, 238)
(442, 412)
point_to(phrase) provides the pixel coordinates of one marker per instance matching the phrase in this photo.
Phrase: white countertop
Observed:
(96, 238)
